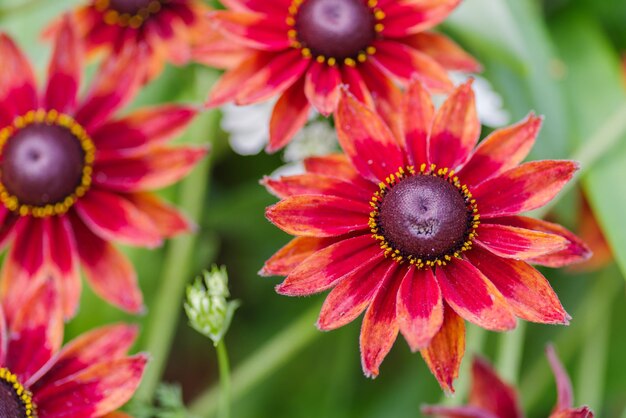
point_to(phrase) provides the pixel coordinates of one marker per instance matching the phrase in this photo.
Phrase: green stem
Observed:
(224, 366)
(510, 352)
(162, 320)
(268, 358)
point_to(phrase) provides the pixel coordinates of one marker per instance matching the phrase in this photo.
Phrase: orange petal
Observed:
(285, 260)
(444, 51)
(290, 114)
(519, 243)
(315, 184)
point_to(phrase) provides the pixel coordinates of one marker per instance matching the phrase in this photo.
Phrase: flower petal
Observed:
(524, 188)
(380, 327)
(329, 265)
(526, 290)
(321, 87)
(265, 32)
(167, 219)
(575, 252)
(108, 271)
(444, 353)
(582, 412)
(417, 117)
(290, 114)
(315, 184)
(456, 129)
(353, 294)
(519, 243)
(114, 217)
(457, 412)
(420, 307)
(18, 91)
(406, 63)
(502, 150)
(473, 296)
(444, 51)
(65, 68)
(116, 83)
(319, 216)
(402, 18)
(153, 169)
(490, 393)
(144, 128)
(565, 393)
(95, 391)
(366, 140)
(285, 260)
(333, 165)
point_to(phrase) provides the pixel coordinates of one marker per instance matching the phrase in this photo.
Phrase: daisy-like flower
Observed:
(89, 377)
(73, 177)
(167, 28)
(305, 49)
(423, 230)
(490, 397)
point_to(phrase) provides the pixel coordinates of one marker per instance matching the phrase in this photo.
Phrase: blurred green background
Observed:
(560, 58)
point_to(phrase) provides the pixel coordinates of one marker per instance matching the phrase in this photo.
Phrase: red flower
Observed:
(423, 230)
(168, 28)
(89, 377)
(490, 397)
(305, 49)
(73, 178)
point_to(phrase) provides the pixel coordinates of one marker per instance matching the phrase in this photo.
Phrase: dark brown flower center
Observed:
(335, 28)
(15, 401)
(426, 217)
(45, 163)
(129, 6)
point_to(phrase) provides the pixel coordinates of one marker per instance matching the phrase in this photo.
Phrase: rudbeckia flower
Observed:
(423, 231)
(303, 50)
(89, 377)
(166, 28)
(490, 397)
(73, 177)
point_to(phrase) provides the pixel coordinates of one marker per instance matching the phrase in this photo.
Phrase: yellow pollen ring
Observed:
(23, 395)
(361, 57)
(50, 117)
(424, 170)
(114, 18)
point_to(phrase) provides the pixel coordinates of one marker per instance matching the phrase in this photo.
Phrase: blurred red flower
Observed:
(303, 50)
(423, 229)
(73, 177)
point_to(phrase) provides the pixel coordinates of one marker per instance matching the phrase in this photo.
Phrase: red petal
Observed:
(519, 243)
(455, 130)
(502, 150)
(353, 294)
(444, 51)
(285, 260)
(36, 332)
(262, 6)
(351, 77)
(322, 87)
(524, 188)
(154, 169)
(526, 290)
(366, 140)
(473, 296)
(406, 63)
(402, 18)
(457, 412)
(445, 351)
(144, 128)
(65, 69)
(418, 115)
(18, 91)
(315, 184)
(582, 412)
(108, 271)
(116, 83)
(114, 217)
(420, 307)
(565, 393)
(256, 31)
(380, 327)
(333, 165)
(167, 219)
(319, 216)
(277, 76)
(290, 114)
(489, 392)
(93, 392)
(575, 252)
(326, 267)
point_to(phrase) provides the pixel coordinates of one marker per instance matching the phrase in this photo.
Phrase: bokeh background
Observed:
(560, 58)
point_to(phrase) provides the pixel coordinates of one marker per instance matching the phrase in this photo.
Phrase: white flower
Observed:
(248, 126)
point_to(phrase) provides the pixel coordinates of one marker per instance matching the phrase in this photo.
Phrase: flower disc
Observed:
(129, 6)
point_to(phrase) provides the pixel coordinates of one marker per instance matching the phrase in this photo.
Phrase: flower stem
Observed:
(224, 366)
(162, 320)
(510, 350)
(268, 358)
